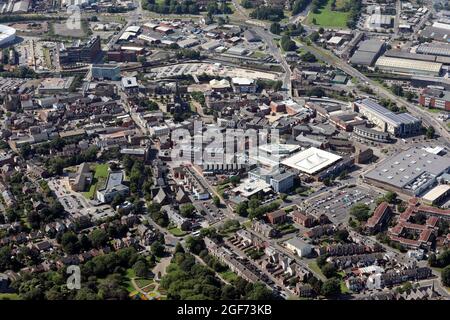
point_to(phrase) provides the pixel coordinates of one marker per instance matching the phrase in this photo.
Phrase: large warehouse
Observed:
(402, 124)
(412, 171)
(7, 34)
(399, 65)
(368, 51)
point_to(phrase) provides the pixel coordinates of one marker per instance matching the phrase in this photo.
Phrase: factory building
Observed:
(408, 66)
(367, 53)
(398, 125)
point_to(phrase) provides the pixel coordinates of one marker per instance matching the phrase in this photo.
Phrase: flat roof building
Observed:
(411, 171)
(402, 124)
(311, 161)
(408, 66)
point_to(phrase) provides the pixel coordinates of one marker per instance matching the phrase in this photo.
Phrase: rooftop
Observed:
(311, 160)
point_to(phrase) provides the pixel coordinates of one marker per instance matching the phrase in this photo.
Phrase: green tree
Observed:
(98, 238)
(70, 243)
(331, 287)
(141, 268)
(157, 249)
(430, 132)
(329, 270)
(187, 210)
(360, 211)
(275, 28)
(216, 200)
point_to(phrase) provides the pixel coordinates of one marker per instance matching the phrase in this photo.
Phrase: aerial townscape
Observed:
(225, 150)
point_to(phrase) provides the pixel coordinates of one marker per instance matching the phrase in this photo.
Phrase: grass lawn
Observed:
(177, 232)
(142, 282)
(328, 18)
(229, 275)
(313, 266)
(344, 288)
(9, 296)
(100, 175)
(129, 275)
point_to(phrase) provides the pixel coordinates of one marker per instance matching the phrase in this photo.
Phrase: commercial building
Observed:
(435, 98)
(371, 134)
(112, 188)
(412, 171)
(311, 161)
(81, 52)
(7, 34)
(282, 182)
(106, 72)
(408, 66)
(402, 124)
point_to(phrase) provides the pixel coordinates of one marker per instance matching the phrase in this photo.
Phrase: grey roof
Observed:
(436, 49)
(409, 55)
(251, 36)
(405, 167)
(283, 176)
(435, 33)
(114, 182)
(372, 45)
(363, 58)
(386, 115)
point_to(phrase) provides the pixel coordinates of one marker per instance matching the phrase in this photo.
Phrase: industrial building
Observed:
(367, 53)
(371, 134)
(411, 172)
(434, 49)
(398, 125)
(408, 66)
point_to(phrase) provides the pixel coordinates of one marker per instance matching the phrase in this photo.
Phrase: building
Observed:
(277, 217)
(7, 34)
(130, 85)
(299, 247)
(368, 52)
(106, 72)
(243, 85)
(311, 161)
(114, 186)
(379, 218)
(408, 66)
(282, 182)
(251, 36)
(55, 85)
(303, 219)
(412, 171)
(437, 195)
(81, 52)
(399, 125)
(82, 178)
(435, 98)
(264, 229)
(371, 134)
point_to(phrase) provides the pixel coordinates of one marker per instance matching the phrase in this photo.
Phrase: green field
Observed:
(101, 173)
(328, 18)
(177, 232)
(229, 275)
(313, 266)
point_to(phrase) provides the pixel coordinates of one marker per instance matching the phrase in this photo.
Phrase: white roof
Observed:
(133, 29)
(436, 192)
(129, 82)
(409, 64)
(436, 150)
(242, 81)
(219, 84)
(335, 40)
(126, 35)
(251, 186)
(311, 160)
